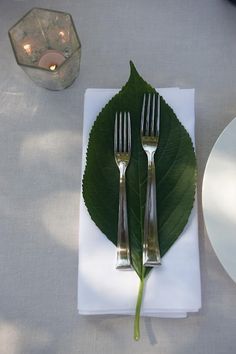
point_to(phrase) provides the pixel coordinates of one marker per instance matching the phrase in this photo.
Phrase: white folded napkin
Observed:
(171, 290)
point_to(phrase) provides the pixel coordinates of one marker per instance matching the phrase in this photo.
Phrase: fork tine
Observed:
(158, 115)
(115, 133)
(148, 115)
(142, 115)
(129, 133)
(153, 114)
(120, 133)
(124, 132)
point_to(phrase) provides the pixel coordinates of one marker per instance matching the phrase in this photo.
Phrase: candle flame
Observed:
(53, 67)
(62, 36)
(27, 48)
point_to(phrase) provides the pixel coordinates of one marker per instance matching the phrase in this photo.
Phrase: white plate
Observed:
(219, 198)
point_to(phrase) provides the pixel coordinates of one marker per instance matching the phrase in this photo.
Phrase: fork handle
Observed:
(151, 249)
(123, 251)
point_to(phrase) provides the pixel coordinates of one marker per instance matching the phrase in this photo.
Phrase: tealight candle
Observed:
(51, 59)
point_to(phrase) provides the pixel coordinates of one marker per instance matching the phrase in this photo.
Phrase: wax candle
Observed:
(51, 59)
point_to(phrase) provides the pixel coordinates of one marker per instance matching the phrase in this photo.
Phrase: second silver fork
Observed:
(122, 153)
(150, 127)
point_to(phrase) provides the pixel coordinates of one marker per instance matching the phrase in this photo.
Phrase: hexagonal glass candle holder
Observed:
(47, 47)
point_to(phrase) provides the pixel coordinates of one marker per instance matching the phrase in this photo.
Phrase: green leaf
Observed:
(175, 165)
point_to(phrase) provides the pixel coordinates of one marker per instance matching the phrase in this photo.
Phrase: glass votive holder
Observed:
(47, 47)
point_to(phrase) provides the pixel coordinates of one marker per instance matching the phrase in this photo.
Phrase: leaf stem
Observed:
(138, 309)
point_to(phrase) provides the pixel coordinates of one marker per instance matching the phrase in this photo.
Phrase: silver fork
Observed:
(122, 152)
(150, 128)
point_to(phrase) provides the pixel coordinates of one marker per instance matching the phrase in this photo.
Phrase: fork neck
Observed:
(122, 168)
(150, 157)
